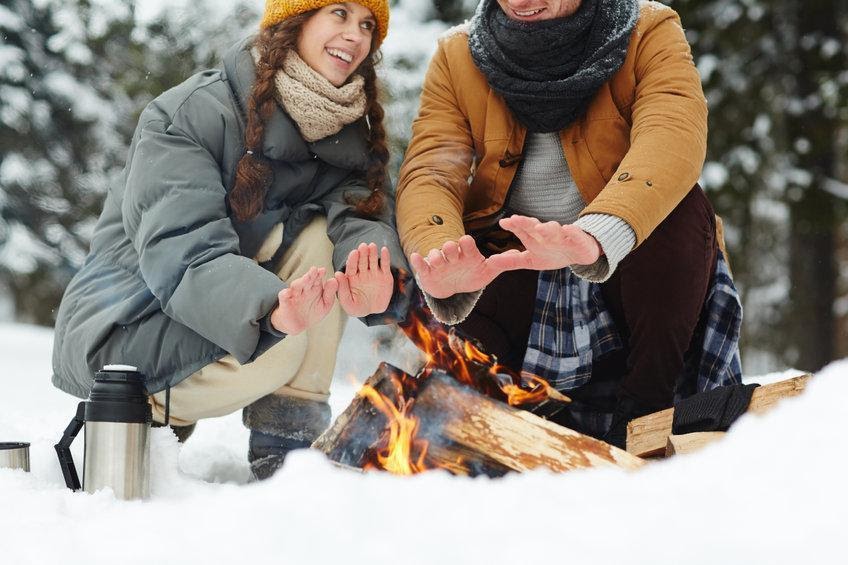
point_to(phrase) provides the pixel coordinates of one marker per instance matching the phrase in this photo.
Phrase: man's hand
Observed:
(456, 267)
(366, 285)
(548, 246)
(305, 302)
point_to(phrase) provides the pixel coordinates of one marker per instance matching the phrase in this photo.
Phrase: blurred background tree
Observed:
(775, 77)
(74, 76)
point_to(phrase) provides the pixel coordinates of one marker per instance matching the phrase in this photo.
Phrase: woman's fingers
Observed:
(284, 295)
(352, 264)
(343, 286)
(373, 257)
(298, 284)
(364, 251)
(385, 261)
(328, 296)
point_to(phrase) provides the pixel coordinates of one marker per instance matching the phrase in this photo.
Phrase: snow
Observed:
(773, 491)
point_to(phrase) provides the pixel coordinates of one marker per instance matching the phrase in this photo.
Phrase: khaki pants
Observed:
(301, 366)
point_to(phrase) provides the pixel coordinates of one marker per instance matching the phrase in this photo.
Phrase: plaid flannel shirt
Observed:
(571, 327)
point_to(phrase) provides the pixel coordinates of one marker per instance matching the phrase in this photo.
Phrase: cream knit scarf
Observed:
(318, 108)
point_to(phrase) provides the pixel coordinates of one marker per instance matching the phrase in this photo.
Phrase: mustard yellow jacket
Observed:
(635, 153)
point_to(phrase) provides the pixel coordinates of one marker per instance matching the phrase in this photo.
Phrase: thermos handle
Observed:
(63, 448)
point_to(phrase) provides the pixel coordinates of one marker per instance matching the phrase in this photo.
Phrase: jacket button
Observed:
(649, 183)
(623, 176)
(437, 220)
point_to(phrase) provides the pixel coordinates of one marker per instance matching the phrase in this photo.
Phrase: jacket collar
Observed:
(347, 149)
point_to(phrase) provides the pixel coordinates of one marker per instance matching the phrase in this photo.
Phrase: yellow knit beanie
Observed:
(279, 10)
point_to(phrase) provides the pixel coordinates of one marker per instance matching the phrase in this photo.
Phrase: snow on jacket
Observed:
(169, 284)
(635, 153)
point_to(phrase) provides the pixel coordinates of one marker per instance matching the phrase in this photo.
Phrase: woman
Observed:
(573, 132)
(244, 188)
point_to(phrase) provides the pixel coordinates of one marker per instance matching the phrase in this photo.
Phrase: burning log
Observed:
(361, 424)
(516, 439)
(648, 436)
(406, 425)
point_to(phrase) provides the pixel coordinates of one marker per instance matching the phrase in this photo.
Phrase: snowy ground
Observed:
(773, 492)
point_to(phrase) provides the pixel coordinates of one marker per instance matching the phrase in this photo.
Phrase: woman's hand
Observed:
(366, 286)
(305, 302)
(547, 245)
(456, 267)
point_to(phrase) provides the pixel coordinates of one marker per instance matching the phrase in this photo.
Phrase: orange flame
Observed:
(397, 456)
(399, 451)
(468, 364)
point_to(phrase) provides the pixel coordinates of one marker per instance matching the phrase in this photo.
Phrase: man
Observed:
(549, 207)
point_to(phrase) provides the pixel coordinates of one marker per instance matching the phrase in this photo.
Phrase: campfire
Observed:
(445, 351)
(457, 415)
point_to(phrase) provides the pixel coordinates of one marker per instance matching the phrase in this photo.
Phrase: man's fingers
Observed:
(467, 246)
(510, 261)
(517, 220)
(550, 231)
(451, 251)
(523, 235)
(436, 258)
(418, 264)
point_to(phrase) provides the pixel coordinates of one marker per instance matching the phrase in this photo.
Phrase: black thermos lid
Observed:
(118, 395)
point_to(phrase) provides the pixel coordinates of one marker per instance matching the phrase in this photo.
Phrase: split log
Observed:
(361, 424)
(648, 436)
(468, 433)
(690, 443)
(514, 438)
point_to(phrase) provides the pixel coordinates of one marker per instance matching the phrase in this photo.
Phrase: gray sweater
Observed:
(543, 188)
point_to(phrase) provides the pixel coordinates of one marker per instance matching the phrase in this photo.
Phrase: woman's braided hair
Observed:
(253, 172)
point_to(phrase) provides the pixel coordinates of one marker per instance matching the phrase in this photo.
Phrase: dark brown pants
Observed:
(655, 297)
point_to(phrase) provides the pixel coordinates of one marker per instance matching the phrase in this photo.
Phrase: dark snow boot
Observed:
(278, 425)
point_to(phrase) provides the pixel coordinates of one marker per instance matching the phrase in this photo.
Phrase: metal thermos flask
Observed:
(117, 420)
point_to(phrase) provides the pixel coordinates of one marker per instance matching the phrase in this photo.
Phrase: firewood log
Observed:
(690, 443)
(361, 424)
(648, 436)
(467, 432)
(514, 438)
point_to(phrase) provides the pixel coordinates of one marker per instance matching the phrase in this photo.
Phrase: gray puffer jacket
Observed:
(169, 284)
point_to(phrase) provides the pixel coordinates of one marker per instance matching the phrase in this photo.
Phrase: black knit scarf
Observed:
(549, 71)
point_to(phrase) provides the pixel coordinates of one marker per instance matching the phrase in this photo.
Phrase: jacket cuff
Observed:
(453, 309)
(617, 239)
(266, 326)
